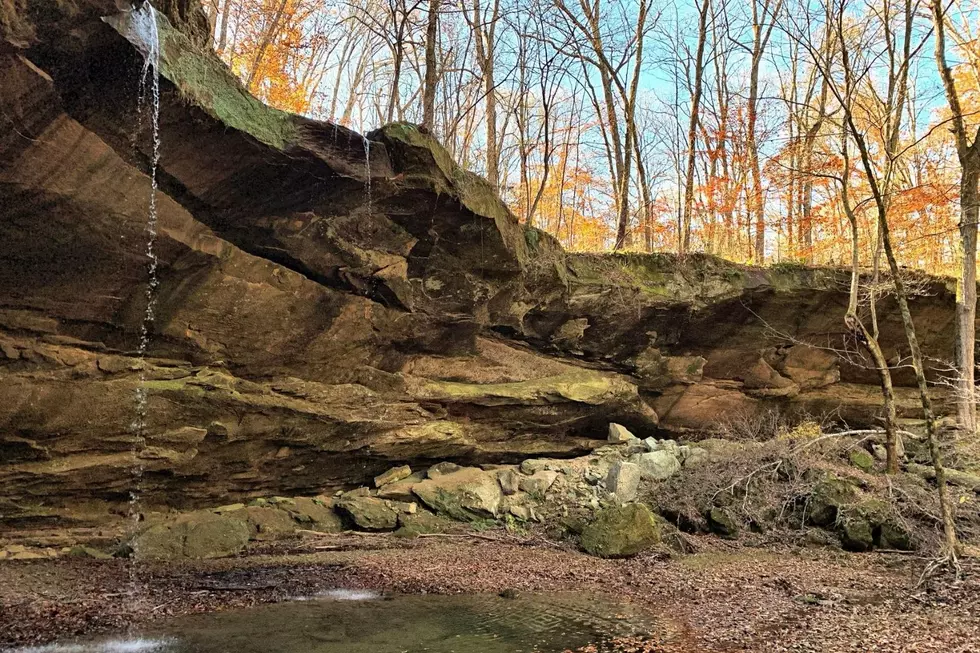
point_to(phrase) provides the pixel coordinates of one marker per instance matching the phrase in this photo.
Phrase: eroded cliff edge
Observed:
(310, 333)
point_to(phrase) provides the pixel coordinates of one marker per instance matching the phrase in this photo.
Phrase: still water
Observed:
(363, 622)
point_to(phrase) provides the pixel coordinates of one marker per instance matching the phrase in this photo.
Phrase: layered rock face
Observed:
(330, 304)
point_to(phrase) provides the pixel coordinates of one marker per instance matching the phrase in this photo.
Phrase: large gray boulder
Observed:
(201, 534)
(539, 482)
(466, 494)
(621, 531)
(657, 465)
(623, 480)
(370, 513)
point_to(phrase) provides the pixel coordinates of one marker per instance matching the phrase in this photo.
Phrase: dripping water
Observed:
(142, 26)
(367, 165)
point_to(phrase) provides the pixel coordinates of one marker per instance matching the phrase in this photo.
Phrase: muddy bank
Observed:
(723, 598)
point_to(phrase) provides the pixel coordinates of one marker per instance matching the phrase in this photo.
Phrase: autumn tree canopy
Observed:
(702, 125)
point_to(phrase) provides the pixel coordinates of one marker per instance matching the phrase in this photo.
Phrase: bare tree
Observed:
(431, 73)
(684, 236)
(966, 283)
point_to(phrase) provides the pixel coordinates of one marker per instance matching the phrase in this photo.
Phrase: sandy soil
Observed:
(724, 598)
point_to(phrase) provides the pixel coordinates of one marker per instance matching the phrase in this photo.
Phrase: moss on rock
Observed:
(621, 531)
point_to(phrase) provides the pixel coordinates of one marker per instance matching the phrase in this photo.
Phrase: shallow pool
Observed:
(344, 621)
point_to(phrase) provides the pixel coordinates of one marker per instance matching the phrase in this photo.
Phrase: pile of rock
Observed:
(650, 459)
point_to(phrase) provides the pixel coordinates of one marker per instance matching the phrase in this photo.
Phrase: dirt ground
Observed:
(723, 598)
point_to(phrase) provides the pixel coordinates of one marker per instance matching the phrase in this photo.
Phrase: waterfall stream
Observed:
(367, 164)
(141, 23)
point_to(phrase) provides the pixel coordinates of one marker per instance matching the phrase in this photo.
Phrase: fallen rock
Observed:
(510, 481)
(828, 497)
(722, 523)
(266, 523)
(466, 494)
(856, 535)
(392, 475)
(421, 522)
(956, 477)
(201, 534)
(695, 456)
(539, 482)
(894, 536)
(316, 514)
(370, 513)
(623, 480)
(358, 492)
(619, 434)
(621, 531)
(861, 459)
(522, 512)
(402, 490)
(532, 466)
(657, 465)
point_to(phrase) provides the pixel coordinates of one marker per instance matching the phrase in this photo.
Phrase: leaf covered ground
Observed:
(724, 598)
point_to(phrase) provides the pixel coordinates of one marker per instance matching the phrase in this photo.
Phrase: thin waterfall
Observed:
(143, 25)
(367, 164)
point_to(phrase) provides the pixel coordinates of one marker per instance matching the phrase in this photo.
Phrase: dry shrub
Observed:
(768, 425)
(767, 485)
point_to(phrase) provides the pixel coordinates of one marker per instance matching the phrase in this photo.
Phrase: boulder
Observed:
(722, 523)
(861, 459)
(521, 511)
(392, 475)
(623, 480)
(856, 535)
(402, 490)
(621, 531)
(539, 482)
(532, 466)
(316, 514)
(201, 534)
(657, 465)
(421, 522)
(466, 494)
(894, 536)
(828, 497)
(510, 481)
(695, 456)
(370, 513)
(266, 523)
(619, 434)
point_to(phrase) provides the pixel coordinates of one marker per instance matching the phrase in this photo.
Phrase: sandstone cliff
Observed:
(331, 303)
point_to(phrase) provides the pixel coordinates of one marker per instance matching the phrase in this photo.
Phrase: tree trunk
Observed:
(267, 38)
(757, 209)
(429, 93)
(692, 130)
(966, 296)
